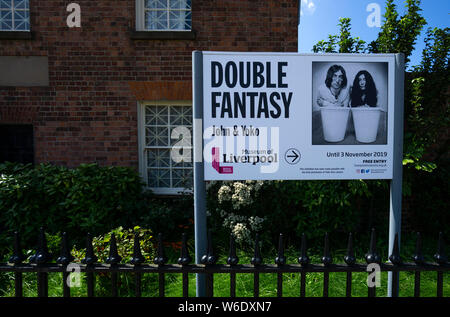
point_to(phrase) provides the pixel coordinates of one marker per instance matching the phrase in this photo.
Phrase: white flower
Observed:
(224, 193)
(241, 196)
(241, 233)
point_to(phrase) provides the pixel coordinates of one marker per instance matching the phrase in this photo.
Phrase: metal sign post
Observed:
(199, 178)
(395, 205)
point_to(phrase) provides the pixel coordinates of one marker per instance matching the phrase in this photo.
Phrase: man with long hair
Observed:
(335, 92)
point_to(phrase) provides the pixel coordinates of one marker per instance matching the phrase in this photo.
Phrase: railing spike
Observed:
(418, 257)
(350, 258)
(160, 258)
(184, 258)
(90, 257)
(303, 259)
(257, 259)
(440, 256)
(232, 257)
(17, 256)
(372, 256)
(114, 258)
(212, 258)
(42, 255)
(209, 258)
(65, 257)
(137, 258)
(326, 258)
(373, 241)
(280, 259)
(204, 258)
(395, 256)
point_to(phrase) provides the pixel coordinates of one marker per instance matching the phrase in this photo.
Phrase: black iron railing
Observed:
(40, 264)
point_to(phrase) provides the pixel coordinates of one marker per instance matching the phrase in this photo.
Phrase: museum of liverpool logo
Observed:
(216, 163)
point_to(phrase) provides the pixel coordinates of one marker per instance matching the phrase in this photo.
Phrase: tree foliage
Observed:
(399, 34)
(343, 42)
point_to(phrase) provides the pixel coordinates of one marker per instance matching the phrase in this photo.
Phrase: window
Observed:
(163, 15)
(166, 154)
(16, 143)
(14, 15)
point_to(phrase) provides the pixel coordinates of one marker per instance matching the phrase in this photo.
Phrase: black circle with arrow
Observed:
(292, 156)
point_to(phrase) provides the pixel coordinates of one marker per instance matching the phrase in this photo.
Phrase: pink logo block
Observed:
(216, 163)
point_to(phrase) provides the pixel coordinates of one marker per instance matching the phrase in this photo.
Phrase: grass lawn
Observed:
(244, 285)
(314, 285)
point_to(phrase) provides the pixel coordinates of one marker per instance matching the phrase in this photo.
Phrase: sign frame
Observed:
(360, 155)
(199, 161)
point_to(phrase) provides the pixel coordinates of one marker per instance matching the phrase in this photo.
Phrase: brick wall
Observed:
(98, 73)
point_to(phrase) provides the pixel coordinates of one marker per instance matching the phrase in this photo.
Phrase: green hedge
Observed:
(296, 207)
(97, 199)
(89, 198)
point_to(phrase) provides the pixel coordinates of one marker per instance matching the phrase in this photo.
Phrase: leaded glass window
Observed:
(14, 15)
(168, 147)
(167, 15)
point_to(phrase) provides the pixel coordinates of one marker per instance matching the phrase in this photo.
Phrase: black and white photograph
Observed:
(349, 103)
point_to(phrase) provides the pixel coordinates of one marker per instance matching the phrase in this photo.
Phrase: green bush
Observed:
(89, 198)
(124, 242)
(295, 207)
(125, 246)
(170, 216)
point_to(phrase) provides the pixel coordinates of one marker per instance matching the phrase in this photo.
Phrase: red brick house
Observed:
(111, 90)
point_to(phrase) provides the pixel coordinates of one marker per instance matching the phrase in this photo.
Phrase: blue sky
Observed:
(319, 18)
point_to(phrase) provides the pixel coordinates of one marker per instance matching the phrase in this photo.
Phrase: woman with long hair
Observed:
(364, 91)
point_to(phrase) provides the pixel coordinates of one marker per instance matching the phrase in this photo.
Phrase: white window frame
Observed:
(140, 19)
(142, 147)
(12, 10)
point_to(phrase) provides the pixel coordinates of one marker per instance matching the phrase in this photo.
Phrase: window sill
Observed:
(163, 35)
(171, 192)
(16, 35)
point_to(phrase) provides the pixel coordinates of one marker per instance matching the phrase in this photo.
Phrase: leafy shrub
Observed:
(293, 208)
(170, 216)
(125, 245)
(89, 198)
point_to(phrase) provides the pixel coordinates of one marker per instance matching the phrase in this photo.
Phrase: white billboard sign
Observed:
(288, 116)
